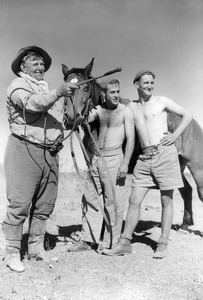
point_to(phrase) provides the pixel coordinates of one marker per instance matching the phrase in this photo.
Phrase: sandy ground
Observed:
(88, 275)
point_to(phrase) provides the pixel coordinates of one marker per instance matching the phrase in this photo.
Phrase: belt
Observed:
(53, 148)
(152, 148)
(110, 151)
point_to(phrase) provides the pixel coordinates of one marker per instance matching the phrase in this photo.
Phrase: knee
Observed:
(17, 215)
(166, 201)
(133, 201)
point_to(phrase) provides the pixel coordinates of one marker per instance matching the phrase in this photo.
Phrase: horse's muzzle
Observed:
(69, 124)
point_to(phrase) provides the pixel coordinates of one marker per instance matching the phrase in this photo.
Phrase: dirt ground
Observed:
(88, 275)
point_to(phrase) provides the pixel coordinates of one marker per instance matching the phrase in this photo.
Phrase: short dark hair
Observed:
(113, 81)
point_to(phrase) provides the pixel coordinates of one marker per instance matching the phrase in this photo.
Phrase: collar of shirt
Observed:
(42, 83)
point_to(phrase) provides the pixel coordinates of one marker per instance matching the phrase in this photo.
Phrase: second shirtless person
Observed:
(115, 125)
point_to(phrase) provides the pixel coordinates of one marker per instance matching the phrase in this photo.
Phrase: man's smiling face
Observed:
(112, 94)
(34, 68)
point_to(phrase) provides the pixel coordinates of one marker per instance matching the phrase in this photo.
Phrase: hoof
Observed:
(185, 226)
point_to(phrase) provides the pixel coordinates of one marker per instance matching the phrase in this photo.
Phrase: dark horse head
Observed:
(87, 96)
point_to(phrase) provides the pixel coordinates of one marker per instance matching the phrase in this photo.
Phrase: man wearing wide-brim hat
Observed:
(35, 117)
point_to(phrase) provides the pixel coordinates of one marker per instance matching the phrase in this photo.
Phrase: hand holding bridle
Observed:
(67, 89)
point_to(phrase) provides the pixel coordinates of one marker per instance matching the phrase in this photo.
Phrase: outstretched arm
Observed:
(23, 96)
(171, 106)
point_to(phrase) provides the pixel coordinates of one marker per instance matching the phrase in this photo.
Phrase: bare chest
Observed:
(110, 118)
(149, 112)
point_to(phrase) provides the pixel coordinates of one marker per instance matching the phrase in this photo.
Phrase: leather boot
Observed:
(161, 250)
(13, 237)
(13, 261)
(36, 239)
(79, 246)
(122, 247)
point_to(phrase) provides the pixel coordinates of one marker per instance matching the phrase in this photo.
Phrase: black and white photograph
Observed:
(101, 165)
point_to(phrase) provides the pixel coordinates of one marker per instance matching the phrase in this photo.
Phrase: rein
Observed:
(90, 167)
(86, 178)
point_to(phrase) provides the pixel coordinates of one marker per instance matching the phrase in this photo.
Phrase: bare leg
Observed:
(136, 197)
(132, 218)
(167, 213)
(166, 223)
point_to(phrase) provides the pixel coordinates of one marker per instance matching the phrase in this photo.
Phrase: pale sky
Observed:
(165, 36)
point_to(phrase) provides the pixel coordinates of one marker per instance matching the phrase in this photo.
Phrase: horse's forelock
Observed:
(95, 89)
(77, 71)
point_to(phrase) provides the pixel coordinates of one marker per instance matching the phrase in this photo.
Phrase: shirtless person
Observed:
(116, 124)
(158, 165)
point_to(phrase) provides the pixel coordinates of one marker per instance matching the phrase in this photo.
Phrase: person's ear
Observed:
(22, 68)
(103, 97)
(137, 84)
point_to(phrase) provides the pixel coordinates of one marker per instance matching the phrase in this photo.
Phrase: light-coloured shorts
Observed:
(159, 167)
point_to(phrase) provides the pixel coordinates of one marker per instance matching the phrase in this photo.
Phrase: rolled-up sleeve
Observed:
(34, 102)
(26, 107)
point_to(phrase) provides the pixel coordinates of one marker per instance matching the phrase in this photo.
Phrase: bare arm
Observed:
(130, 141)
(171, 106)
(93, 115)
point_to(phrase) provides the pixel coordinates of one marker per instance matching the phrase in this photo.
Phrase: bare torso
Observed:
(112, 128)
(150, 120)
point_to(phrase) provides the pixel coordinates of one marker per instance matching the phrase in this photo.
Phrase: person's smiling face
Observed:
(34, 68)
(145, 85)
(112, 94)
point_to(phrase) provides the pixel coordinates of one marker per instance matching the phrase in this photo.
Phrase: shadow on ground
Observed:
(142, 235)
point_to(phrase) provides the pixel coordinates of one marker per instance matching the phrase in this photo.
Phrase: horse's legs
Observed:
(196, 172)
(186, 193)
(198, 178)
(200, 193)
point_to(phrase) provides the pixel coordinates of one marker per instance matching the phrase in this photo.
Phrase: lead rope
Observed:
(106, 167)
(90, 168)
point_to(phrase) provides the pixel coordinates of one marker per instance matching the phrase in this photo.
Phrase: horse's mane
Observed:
(96, 94)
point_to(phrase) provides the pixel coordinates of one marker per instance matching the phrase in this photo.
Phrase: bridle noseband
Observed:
(78, 117)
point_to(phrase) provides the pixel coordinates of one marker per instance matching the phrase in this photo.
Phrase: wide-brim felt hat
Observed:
(15, 66)
(141, 73)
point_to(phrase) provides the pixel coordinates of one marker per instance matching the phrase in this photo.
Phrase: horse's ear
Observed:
(65, 69)
(88, 68)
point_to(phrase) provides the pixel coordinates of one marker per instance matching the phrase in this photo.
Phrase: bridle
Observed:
(76, 79)
(78, 118)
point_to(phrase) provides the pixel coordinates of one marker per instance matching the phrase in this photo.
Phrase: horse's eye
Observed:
(86, 89)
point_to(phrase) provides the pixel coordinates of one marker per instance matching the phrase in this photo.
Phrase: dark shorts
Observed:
(158, 166)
